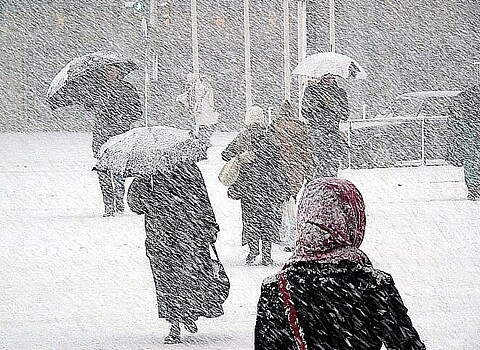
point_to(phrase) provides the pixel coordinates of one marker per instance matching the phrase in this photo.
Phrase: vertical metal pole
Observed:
(423, 141)
(153, 13)
(302, 46)
(248, 67)
(196, 67)
(332, 25)
(477, 72)
(155, 67)
(286, 49)
(146, 86)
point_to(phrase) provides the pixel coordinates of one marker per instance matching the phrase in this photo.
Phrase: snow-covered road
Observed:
(71, 279)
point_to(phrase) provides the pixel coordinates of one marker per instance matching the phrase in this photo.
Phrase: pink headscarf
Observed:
(330, 222)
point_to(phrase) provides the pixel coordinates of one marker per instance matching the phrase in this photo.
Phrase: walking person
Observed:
(261, 185)
(116, 105)
(198, 101)
(464, 125)
(328, 295)
(295, 150)
(180, 225)
(324, 105)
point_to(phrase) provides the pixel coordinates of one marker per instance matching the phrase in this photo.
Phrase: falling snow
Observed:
(73, 279)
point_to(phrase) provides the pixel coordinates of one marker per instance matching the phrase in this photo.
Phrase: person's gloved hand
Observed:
(246, 157)
(212, 234)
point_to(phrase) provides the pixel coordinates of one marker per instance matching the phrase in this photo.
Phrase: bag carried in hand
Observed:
(221, 283)
(229, 173)
(289, 223)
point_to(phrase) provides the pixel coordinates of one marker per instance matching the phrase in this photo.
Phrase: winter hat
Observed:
(255, 115)
(330, 222)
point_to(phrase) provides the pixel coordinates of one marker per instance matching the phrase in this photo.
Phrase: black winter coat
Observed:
(464, 126)
(324, 106)
(116, 107)
(262, 185)
(180, 225)
(340, 306)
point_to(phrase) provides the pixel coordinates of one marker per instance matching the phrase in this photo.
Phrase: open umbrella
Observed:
(73, 83)
(146, 150)
(319, 64)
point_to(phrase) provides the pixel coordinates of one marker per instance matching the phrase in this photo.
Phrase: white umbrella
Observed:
(319, 64)
(146, 150)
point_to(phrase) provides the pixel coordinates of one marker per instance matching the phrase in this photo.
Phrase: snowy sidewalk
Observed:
(71, 279)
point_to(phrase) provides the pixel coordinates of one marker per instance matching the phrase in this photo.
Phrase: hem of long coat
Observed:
(213, 314)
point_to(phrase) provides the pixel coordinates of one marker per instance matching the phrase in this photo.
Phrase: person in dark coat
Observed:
(464, 125)
(180, 225)
(328, 295)
(324, 105)
(261, 186)
(117, 106)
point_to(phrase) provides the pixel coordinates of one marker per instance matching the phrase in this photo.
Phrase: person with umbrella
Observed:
(180, 226)
(96, 81)
(117, 106)
(324, 105)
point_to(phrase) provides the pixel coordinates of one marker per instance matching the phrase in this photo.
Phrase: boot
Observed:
(267, 253)
(119, 206)
(253, 252)
(251, 258)
(473, 196)
(109, 211)
(267, 261)
(190, 326)
(174, 336)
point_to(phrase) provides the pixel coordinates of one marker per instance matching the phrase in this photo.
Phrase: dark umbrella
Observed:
(74, 82)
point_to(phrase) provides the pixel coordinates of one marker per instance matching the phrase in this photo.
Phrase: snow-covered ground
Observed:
(71, 279)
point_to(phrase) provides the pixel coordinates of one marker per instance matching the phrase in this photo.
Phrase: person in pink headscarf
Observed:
(328, 295)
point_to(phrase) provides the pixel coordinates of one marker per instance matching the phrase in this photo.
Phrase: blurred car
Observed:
(411, 131)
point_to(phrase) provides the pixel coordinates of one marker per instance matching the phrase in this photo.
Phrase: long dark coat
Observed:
(339, 306)
(179, 224)
(116, 106)
(324, 106)
(464, 145)
(262, 185)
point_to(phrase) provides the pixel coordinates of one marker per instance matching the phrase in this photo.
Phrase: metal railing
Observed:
(355, 124)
